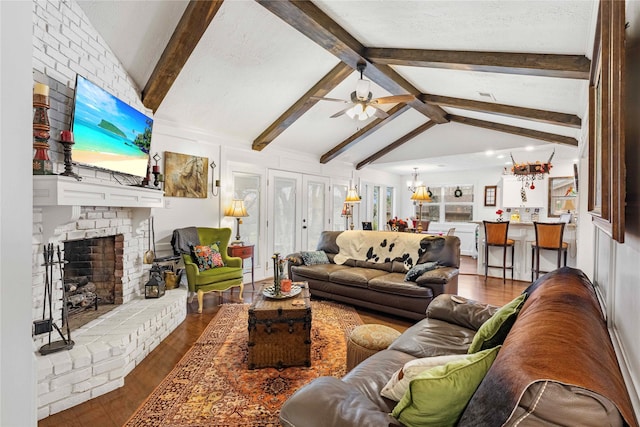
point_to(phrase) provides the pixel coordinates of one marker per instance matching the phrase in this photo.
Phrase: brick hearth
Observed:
(108, 348)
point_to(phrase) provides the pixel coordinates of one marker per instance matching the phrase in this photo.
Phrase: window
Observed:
(431, 210)
(449, 204)
(389, 204)
(376, 206)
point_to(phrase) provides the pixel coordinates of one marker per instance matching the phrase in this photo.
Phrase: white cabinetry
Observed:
(511, 193)
(466, 232)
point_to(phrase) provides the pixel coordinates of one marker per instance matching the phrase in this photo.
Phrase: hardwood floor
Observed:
(114, 408)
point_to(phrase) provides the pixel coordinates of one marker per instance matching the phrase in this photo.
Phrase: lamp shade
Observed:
(352, 196)
(568, 205)
(421, 194)
(236, 209)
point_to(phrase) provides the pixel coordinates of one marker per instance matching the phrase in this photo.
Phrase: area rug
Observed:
(212, 386)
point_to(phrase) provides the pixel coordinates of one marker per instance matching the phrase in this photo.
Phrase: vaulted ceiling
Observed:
(486, 76)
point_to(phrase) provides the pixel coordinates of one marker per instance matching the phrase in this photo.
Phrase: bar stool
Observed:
(495, 234)
(548, 236)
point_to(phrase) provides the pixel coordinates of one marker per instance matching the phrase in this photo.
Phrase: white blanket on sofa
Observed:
(381, 246)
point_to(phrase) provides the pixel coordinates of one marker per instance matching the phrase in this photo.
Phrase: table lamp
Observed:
(351, 199)
(420, 195)
(346, 213)
(237, 210)
(568, 206)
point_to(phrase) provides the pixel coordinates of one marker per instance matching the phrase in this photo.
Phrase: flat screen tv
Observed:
(108, 133)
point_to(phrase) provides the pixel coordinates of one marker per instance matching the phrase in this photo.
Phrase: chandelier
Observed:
(413, 185)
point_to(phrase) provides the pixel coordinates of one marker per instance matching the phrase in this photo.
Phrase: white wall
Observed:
(17, 363)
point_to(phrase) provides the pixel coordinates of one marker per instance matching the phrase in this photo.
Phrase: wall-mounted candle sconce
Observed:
(157, 176)
(215, 185)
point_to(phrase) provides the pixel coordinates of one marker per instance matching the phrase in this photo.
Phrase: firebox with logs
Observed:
(81, 294)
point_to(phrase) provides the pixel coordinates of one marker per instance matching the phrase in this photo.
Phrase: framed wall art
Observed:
(606, 122)
(185, 175)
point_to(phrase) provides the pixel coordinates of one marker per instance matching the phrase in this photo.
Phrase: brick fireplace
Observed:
(92, 277)
(99, 224)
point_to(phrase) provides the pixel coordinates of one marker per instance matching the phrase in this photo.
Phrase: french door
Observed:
(298, 210)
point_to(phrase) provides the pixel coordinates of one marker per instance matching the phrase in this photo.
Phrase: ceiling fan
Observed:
(362, 104)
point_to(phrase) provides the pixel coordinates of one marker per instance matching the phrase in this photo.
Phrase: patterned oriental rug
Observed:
(212, 386)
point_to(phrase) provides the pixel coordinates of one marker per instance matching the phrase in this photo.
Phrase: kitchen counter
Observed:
(523, 233)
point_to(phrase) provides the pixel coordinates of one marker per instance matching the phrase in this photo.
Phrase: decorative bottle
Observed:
(276, 273)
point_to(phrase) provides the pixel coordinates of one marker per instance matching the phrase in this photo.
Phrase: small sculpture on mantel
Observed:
(66, 139)
(41, 163)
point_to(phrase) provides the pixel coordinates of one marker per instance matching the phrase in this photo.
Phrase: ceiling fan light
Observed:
(363, 116)
(369, 111)
(358, 109)
(362, 89)
(350, 113)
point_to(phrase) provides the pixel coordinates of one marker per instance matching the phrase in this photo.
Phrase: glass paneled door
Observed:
(297, 211)
(316, 210)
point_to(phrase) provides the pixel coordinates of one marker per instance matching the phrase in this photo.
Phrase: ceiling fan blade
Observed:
(393, 99)
(341, 112)
(381, 114)
(319, 98)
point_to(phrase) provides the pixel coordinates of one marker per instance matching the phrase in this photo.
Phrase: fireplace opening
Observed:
(92, 277)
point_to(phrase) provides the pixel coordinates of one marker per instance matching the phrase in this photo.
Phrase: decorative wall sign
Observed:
(185, 175)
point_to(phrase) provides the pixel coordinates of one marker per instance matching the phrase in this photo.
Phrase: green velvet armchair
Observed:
(217, 279)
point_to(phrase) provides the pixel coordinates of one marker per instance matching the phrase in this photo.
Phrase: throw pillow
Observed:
(438, 396)
(314, 257)
(207, 256)
(494, 331)
(417, 270)
(397, 386)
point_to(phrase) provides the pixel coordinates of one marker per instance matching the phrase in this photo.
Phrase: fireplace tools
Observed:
(47, 324)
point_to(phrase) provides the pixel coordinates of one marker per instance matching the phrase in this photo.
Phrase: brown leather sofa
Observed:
(557, 366)
(380, 285)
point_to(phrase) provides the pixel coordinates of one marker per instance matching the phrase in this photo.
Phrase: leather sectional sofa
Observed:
(375, 277)
(557, 366)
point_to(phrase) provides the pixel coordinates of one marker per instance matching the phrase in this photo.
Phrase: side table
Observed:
(244, 252)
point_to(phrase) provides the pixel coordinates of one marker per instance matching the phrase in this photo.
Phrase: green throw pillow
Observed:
(438, 396)
(314, 257)
(494, 331)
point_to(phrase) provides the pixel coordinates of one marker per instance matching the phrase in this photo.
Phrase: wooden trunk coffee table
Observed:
(280, 330)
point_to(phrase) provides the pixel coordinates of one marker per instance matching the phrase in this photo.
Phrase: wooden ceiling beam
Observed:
(561, 119)
(563, 66)
(332, 79)
(514, 130)
(308, 19)
(194, 22)
(395, 144)
(394, 112)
